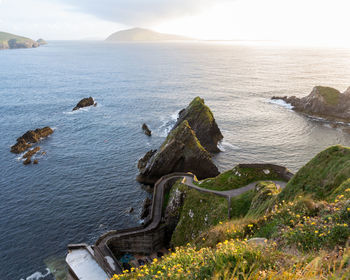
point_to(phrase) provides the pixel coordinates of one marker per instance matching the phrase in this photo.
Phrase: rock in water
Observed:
(181, 152)
(30, 137)
(85, 102)
(146, 130)
(202, 121)
(41, 42)
(324, 102)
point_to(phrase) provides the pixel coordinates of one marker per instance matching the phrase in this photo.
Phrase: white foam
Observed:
(228, 145)
(167, 125)
(281, 102)
(38, 275)
(84, 109)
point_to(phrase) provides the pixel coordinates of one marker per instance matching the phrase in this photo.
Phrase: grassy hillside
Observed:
(300, 233)
(11, 41)
(321, 175)
(8, 36)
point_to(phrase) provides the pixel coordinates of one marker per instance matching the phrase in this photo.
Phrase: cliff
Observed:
(202, 121)
(180, 152)
(141, 34)
(324, 102)
(299, 232)
(11, 41)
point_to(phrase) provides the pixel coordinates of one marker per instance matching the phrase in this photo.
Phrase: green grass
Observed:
(7, 36)
(240, 204)
(330, 95)
(200, 211)
(238, 177)
(319, 177)
(264, 198)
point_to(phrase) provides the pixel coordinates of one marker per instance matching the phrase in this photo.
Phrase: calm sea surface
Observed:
(85, 183)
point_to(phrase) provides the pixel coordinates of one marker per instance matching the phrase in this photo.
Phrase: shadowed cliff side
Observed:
(180, 152)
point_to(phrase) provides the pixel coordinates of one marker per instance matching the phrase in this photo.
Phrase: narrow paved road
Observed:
(156, 214)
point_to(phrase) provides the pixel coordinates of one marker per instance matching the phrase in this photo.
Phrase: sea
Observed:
(84, 184)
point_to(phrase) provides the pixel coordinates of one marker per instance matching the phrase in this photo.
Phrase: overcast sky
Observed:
(294, 21)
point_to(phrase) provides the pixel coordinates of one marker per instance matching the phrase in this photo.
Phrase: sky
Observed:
(309, 22)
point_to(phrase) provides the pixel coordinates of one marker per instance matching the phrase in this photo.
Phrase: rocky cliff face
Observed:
(202, 121)
(180, 152)
(322, 101)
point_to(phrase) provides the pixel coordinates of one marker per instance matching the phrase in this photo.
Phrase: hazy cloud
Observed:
(140, 12)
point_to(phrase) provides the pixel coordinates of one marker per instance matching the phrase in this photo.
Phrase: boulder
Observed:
(324, 102)
(146, 130)
(85, 102)
(202, 121)
(180, 152)
(30, 137)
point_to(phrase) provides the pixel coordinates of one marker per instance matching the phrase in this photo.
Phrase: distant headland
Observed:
(142, 35)
(11, 41)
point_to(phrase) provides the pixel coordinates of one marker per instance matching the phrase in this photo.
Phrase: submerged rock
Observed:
(324, 102)
(146, 130)
(30, 137)
(180, 152)
(202, 121)
(85, 102)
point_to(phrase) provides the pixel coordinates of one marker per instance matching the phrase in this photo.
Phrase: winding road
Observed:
(104, 255)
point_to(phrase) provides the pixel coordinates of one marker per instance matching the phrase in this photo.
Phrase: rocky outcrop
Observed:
(41, 42)
(180, 152)
(202, 121)
(30, 137)
(85, 102)
(146, 130)
(324, 102)
(28, 156)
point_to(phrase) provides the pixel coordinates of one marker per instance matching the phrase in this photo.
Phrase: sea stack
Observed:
(324, 102)
(85, 102)
(202, 121)
(180, 152)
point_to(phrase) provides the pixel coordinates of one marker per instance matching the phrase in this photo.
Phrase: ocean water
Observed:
(85, 183)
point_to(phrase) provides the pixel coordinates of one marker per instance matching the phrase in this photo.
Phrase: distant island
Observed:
(11, 41)
(143, 35)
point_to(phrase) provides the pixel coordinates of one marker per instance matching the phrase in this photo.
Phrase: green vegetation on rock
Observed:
(199, 212)
(201, 120)
(319, 177)
(330, 95)
(239, 177)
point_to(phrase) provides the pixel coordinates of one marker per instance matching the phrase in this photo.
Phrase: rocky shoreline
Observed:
(324, 102)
